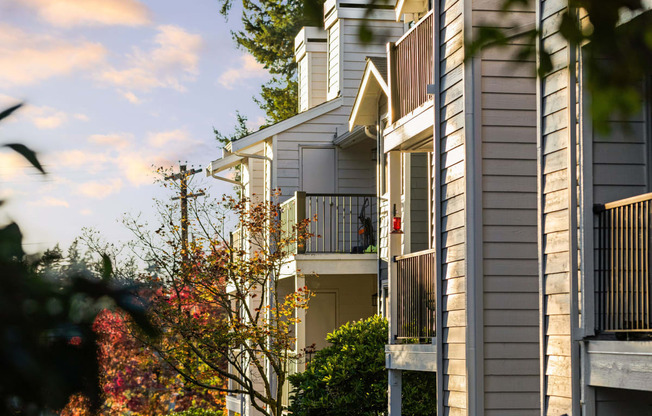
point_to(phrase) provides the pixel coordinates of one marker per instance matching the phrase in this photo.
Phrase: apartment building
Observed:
(512, 240)
(532, 296)
(318, 170)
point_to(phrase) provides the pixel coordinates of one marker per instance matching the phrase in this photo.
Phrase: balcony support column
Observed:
(395, 239)
(300, 327)
(394, 394)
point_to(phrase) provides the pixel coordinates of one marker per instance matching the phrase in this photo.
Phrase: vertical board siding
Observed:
(509, 216)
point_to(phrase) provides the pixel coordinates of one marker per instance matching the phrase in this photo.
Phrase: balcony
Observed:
(339, 223)
(411, 67)
(415, 297)
(622, 258)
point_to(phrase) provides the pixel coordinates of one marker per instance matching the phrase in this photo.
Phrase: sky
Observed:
(113, 88)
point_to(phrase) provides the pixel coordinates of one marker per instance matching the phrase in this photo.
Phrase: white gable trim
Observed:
(284, 125)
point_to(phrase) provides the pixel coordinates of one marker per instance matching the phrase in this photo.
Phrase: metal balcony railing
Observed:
(622, 259)
(339, 223)
(411, 68)
(416, 301)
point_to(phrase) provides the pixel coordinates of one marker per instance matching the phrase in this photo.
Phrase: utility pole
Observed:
(182, 176)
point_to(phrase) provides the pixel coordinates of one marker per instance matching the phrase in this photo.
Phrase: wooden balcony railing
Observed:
(622, 259)
(339, 223)
(411, 68)
(416, 301)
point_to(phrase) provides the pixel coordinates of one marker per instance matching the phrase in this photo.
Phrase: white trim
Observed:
(284, 125)
(370, 69)
(410, 130)
(227, 161)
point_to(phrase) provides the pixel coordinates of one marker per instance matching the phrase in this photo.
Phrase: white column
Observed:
(394, 394)
(395, 240)
(300, 328)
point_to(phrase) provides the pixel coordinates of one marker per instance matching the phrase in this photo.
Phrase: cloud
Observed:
(85, 212)
(48, 201)
(254, 125)
(12, 165)
(28, 58)
(247, 69)
(43, 117)
(170, 64)
(115, 140)
(77, 159)
(131, 97)
(167, 138)
(99, 190)
(69, 13)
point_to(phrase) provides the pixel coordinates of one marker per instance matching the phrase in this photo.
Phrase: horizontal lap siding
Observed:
(316, 132)
(356, 169)
(620, 161)
(617, 402)
(555, 215)
(452, 182)
(510, 267)
(419, 202)
(355, 53)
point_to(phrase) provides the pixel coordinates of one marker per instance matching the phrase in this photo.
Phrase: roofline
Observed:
(369, 70)
(289, 123)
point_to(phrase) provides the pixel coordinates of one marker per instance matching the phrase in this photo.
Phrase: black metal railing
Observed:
(339, 223)
(622, 260)
(416, 296)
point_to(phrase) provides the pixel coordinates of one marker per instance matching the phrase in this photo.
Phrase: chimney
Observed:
(310, 52)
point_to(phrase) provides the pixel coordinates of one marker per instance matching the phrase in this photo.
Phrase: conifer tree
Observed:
(269, 29)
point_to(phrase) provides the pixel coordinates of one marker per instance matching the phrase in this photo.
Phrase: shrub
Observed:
(349, 377)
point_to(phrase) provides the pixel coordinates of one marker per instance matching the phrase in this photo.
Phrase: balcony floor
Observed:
(331, 263)
(411, 357)
(619, 364)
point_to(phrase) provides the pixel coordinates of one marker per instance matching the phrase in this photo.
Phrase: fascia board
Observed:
(284, 125)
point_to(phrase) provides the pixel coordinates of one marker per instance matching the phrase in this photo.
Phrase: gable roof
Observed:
(284, 125)
(373, 84)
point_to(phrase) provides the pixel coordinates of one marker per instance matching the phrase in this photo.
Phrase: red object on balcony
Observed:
(396, 225)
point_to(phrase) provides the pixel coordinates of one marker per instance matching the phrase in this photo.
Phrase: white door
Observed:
(318, 170)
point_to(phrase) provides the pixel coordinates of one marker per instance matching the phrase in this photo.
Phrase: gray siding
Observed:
(509, 217)
(616, 402)
(620, 160)
(418, 202)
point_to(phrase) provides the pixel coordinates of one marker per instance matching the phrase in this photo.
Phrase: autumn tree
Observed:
(48, 349)
(227, 325)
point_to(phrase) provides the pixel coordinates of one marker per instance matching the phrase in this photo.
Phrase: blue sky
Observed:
(113, 87)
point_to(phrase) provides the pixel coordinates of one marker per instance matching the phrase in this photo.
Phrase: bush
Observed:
(349, 377)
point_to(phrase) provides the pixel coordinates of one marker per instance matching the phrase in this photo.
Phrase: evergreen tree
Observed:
(269, 29)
